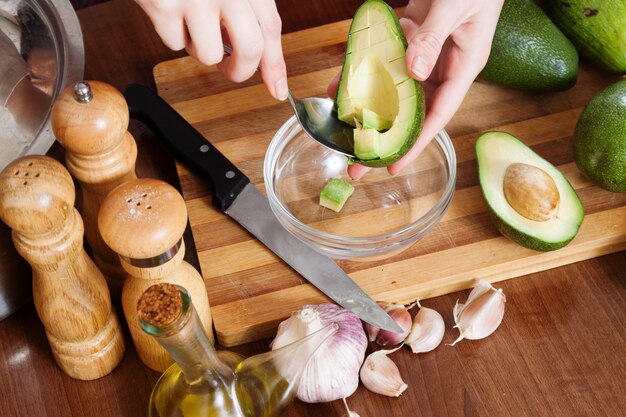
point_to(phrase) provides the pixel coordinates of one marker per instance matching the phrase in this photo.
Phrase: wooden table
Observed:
(561, 350)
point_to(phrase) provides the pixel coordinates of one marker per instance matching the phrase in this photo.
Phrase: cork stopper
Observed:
(36, 194)
(143, 218)
(160, 305)
(89, 118)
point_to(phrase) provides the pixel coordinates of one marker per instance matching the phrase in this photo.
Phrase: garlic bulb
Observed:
(481, 314)
(427, 330)
(380, 374)
(333, 371)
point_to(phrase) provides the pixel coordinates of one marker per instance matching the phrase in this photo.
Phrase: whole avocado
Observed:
(596, 27)
(600, 138)
(529, 52)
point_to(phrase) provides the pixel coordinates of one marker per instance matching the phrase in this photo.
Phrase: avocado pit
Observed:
(531, 192)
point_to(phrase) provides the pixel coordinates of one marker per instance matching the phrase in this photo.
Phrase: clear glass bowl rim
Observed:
(347, 246)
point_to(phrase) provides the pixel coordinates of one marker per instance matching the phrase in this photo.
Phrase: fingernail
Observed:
(419, 68)
(281, 89)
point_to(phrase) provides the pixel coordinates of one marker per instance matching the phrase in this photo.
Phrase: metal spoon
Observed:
(318, 118)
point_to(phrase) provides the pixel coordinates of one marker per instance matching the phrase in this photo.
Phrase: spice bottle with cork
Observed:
(205, 382)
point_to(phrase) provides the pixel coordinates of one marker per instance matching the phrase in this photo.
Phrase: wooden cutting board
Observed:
(251, 290)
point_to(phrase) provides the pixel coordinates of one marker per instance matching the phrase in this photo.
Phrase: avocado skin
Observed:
(416, 128)
(522, 238)
(596, 27)
(529, 52)
(600, 138)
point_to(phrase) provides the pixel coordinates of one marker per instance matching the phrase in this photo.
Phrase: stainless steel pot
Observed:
(41, 52)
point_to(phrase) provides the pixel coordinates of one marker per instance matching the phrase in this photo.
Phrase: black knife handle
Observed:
(187, 144)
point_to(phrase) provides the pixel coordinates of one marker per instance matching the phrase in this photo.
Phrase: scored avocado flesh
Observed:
(376, 95)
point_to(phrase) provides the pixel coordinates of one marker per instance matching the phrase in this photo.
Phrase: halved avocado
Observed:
(531, 202)
(376, 95)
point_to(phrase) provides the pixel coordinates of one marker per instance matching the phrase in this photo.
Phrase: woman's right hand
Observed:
(252, 27)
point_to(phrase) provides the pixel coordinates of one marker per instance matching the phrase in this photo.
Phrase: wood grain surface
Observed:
(251, 290)
(560, 350)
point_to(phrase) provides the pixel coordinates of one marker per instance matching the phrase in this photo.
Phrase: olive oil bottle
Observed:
(205, 383)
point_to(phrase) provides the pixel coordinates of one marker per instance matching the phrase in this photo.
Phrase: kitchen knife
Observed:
(237, 197)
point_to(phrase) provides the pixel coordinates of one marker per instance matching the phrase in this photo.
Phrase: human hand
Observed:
(252, 27)
(448, 45)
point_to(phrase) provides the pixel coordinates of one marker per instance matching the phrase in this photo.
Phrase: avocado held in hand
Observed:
(376, 95)
(600, 138)
(529, 52)
(531, 202)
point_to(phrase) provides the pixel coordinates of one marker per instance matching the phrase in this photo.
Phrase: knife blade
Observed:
(234, 195)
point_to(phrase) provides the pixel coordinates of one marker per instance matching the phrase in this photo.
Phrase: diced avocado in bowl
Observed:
(335, 194)
(376, 94)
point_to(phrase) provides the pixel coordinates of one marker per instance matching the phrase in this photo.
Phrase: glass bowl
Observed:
(385, 214)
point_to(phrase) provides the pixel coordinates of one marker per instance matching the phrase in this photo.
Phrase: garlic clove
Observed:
(371, 331)
(481, 315)
(400, 314)
(380, 374)
(427, 330)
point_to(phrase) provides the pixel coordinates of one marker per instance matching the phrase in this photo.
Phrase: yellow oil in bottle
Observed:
(173, 396)
(261, 390)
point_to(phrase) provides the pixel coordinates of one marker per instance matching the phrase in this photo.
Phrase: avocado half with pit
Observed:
(376, 95)
(531, 202)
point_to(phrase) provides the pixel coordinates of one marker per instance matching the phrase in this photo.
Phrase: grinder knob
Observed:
(90, 117)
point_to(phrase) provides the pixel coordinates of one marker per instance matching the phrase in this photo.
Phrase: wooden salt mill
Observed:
(70, 293)
(90, 120)
(143, 220)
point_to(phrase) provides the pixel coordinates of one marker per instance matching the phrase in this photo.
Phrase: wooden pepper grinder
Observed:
(90, 120)
(69, 291)
(143, 220)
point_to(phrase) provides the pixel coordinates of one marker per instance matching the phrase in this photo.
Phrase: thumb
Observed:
(426, 40)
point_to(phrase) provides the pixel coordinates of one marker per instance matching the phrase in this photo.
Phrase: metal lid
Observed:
(41, 52)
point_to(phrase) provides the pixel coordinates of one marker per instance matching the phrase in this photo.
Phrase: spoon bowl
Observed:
(318, 119)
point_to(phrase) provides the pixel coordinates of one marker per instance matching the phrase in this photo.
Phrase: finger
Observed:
(425, 40)
(247, 40)
(331, 90)
(444, 103)
(357, 171)
(170, 26)
(273, 68)
(206, 38)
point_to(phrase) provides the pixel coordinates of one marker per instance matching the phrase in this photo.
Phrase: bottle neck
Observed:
(190, 347)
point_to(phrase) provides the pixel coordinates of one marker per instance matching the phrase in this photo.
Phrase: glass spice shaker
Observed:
(204, 382)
